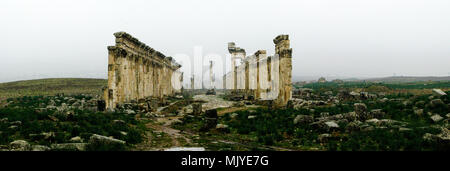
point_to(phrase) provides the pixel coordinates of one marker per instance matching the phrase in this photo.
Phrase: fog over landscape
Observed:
(334, 39)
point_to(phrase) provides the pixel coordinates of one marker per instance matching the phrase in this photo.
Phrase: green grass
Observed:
(411, 85)
(52, 86)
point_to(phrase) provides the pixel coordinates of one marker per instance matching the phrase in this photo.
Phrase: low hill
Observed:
(405, 79)
(52, 86)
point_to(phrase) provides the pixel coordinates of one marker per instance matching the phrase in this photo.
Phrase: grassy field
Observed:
(51, 86)
(417, 88)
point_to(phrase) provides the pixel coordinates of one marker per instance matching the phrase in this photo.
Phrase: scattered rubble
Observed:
(436, 118)
(20, 145)
(210, 120)
(439, 92)
(69, 147)
(303, 119)
(100, 139)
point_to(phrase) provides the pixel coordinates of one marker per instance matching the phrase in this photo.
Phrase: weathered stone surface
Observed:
(368, 128)
(130, 112)
(353, 126)
(76, 139)
(323, 137)
(16, 123)
(429, 137)
(119, 122)
(418, 112)
(40, 148)
(439, 92)
(436, 102)
(360, 108)
(13, 127)
(4, 120)
(210, 120)
(443, 138)
(325, 125)
(239, 104)
(40, 110)
(377, 113)
(221, 126)
(436, 118)
(373, 121)
(53, 118)
(211, 92)
(19, 145)
(401, 129)
(100, 139)
(383, 100)
(444, 135)
(196, 108)
(351, 116)
(303, 119)
(342, 121)
(331, 125)
(324, 114)
(69, 147)
(391, 123)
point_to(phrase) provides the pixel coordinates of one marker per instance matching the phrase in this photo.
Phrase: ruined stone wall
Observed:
(136, 71)
(266, 77)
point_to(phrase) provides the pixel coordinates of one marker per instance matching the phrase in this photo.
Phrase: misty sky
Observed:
(343, 38)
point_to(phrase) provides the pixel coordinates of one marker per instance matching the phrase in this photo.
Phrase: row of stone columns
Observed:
(136, 71)
(264, 77)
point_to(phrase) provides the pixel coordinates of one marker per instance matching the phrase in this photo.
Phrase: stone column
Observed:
(192, 82)
(211, 75)
(236, 53)
(259, 55)
(283, 50)
(136, 71)
(247, 80)
(115, 57)
(224, 81)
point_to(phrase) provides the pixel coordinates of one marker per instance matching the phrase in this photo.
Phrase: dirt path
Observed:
(162, 137)
(173, 133)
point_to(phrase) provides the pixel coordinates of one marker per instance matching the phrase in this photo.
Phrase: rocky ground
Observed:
(313, 120)
(43, 123)
(164, 137)
(213, 101)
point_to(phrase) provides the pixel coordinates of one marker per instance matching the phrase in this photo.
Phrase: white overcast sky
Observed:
(344, 38)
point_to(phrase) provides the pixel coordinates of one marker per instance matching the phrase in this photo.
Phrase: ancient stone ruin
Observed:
(138, 72)
(260, 76)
